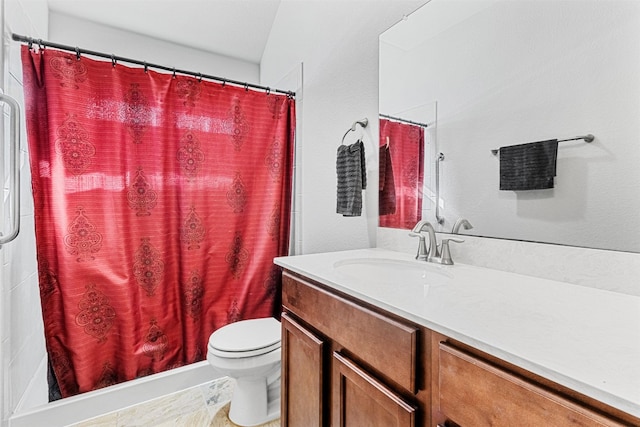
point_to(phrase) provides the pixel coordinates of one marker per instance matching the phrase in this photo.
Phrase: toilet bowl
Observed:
(249, 352)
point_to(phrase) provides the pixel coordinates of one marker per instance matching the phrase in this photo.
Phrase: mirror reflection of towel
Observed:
(529, 166)
(386, 186)
(352, 178)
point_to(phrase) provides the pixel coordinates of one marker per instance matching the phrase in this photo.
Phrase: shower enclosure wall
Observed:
(22, 348)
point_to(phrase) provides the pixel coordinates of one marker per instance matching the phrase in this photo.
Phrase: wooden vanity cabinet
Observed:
(346, 364)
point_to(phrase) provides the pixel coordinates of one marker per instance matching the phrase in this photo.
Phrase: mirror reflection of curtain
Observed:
(160, 203)
(401, 174)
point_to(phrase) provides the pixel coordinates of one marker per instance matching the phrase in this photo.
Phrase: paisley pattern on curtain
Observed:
(406, 149)
(160, 203)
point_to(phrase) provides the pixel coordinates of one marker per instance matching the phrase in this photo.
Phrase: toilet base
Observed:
(254, 402)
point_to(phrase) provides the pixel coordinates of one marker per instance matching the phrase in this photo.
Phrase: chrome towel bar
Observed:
(439, 219)
(586, 138)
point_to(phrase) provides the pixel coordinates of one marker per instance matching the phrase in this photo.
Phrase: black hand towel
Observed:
(352, 178)
(529, 166)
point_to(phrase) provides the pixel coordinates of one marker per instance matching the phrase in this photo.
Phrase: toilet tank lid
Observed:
(247, 335)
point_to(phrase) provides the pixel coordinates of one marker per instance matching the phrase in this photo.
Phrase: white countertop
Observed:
(583, 338)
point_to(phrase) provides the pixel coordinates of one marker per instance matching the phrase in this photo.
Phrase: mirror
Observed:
(485, 74)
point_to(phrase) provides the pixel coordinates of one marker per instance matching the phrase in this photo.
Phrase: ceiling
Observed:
(235, 28)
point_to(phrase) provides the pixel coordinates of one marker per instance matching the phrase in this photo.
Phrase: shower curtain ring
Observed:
(268, 90)
(199, 77)
(77, 53)
(146, 67)
(30, 43)
(246, 87)
(40, 44)
(174, 72)
(224, 82)
(113, 60)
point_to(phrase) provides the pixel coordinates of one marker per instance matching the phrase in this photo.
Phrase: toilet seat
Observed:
(247, 338)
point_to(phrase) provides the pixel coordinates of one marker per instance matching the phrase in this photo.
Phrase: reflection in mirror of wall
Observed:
(505, 73)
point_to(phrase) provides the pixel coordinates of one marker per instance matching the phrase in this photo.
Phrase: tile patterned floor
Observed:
(202, 406)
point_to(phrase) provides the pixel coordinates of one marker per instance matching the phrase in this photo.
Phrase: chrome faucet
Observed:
(461, 222)
(423, 252)
(440, 255)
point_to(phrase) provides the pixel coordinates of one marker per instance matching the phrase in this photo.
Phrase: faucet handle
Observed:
(422, 253)
(452, 239)
(445, 254)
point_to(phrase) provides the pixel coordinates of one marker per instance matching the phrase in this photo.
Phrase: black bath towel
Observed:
(529, 166)
(352, 179)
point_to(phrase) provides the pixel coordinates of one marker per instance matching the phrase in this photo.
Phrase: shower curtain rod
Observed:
(398, 119)
(78, 51)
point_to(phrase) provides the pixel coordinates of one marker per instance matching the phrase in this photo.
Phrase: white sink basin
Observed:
(392, 272)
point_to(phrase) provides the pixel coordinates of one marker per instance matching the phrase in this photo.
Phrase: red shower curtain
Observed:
(160, 202)
(406, 149)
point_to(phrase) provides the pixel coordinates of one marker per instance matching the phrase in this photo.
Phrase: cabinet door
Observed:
(302, 373)
(361, 400)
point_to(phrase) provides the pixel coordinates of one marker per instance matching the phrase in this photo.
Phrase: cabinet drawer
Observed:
(473, 392)
(387, 346)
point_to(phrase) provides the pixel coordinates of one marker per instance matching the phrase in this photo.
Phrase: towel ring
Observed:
(364, 123)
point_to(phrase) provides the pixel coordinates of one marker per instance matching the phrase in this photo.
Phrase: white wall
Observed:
(523, 71)
(69, 30)
(22, 350)
(337, 42)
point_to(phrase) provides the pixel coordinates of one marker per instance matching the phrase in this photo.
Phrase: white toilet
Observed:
(249, 352)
